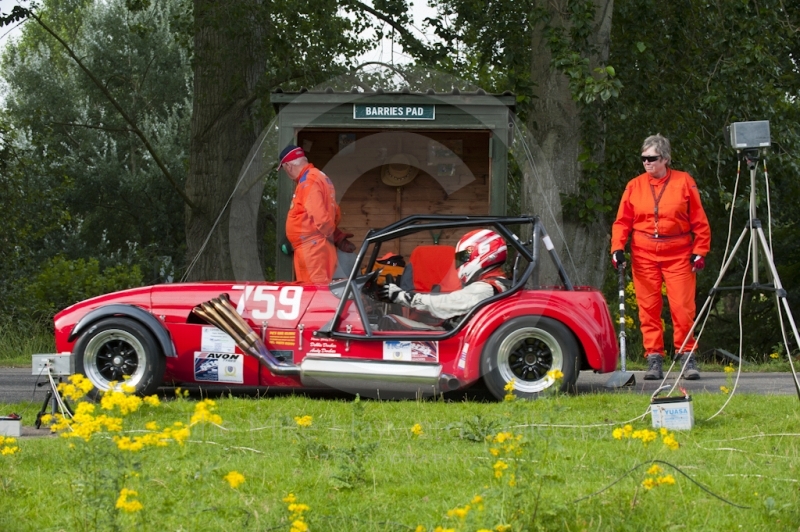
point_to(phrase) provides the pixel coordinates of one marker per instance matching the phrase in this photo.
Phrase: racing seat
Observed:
(431, 269)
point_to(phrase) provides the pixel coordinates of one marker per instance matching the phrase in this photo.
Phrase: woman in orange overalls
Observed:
(661, 211)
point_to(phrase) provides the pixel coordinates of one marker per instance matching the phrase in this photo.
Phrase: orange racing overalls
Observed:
(667, 224)
(310, 224)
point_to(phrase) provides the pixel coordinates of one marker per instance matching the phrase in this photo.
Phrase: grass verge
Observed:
(415, 466)
(18, 343)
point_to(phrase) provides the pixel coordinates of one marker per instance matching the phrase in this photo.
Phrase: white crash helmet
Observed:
(477, 252)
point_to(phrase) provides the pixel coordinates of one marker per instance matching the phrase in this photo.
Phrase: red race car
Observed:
(353, 335)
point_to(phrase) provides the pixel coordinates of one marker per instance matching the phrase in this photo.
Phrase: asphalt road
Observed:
(17, 385)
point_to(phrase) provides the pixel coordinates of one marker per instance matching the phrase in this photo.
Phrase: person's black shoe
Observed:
(690, 371)
(654, 367)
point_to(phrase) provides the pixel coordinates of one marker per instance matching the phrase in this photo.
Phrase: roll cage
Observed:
(357, 284)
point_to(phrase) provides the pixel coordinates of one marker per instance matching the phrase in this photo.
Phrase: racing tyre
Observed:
(525, 349)
(114, 348)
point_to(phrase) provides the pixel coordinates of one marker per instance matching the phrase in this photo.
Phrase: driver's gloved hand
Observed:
(393, 293)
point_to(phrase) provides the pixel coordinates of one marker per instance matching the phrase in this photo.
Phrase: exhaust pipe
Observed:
(220, 312)
(353, 375)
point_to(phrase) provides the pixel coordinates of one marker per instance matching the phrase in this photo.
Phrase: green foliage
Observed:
(93, 190)
(63, 282)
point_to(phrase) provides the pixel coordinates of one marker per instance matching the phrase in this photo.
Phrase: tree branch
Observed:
(89, 126)
(134, 128)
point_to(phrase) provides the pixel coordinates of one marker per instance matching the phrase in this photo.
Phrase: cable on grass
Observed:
(675, 468)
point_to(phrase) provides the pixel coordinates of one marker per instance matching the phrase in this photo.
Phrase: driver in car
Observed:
(479, 259)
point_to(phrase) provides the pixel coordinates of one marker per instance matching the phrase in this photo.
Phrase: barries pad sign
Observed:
(363, 111)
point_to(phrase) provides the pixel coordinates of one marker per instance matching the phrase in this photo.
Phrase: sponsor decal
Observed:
(410, 351)
(282, 338)
(462, 359)
(323, 347)
(218, 367)
(214, 340)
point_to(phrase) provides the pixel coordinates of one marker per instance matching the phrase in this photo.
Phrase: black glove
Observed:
(618, 259)
(698, 262)
(394, 294)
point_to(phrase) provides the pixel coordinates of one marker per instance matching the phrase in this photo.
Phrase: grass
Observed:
(19, 342)
(360, 467)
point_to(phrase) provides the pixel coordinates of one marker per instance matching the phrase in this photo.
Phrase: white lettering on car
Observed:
(263, 301)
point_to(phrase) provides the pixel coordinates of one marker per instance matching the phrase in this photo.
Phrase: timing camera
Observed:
(748, 135)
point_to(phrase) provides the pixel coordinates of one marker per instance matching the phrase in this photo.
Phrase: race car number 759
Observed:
(263, 301)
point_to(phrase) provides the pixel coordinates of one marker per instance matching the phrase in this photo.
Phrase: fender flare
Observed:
(155, 326)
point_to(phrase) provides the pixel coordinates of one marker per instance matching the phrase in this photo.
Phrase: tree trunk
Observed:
(556, 126)
(227, 67)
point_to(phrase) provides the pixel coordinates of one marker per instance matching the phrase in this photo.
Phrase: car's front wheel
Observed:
(524, 350)
(120, 349)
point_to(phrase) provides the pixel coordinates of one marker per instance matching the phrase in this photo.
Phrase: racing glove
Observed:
(393, 293)
(698, 262)
(618, 259)
(341, 242)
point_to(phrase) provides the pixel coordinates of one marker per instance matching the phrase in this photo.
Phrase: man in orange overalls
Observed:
(661, 211)
(311, 224)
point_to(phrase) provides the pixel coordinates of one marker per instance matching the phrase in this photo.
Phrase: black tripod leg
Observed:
(42, 412)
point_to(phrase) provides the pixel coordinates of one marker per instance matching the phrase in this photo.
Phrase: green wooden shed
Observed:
(393, 154)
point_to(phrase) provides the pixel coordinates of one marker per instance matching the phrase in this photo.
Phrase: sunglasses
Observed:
(650, 158)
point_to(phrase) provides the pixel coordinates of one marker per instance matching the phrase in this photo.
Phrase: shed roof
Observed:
(455, 97)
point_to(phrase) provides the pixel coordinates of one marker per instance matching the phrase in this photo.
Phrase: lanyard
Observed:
(656, 200)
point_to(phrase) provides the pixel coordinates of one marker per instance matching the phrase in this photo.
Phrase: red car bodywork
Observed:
(300, 310)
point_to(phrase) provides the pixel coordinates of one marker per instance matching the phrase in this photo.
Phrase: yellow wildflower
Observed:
(441, 529)
(725, 390)
(304, 421)
(648, 483)
(477, 499)
(774, 356)
(670, 442)
(234, 479)
(494, 452)
(655, 469)
(502, 528)
(460, 513)
(617, 433)
(151, 425)
(509, 387)
(416, 430)
(290, 498)
(663, 431)
(555, 374)
(202, 413)
(126, 505)
(152, 400)
(512, 482)
(420, 528)
(499, 467)
(729, 368)
(299, 525)
(666, 479)
(298, 508)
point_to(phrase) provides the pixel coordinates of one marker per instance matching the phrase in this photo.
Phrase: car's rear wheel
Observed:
(120, 349)
(524, 350)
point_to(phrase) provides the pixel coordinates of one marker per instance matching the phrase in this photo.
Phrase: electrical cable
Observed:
(225, 207)
(674, 467)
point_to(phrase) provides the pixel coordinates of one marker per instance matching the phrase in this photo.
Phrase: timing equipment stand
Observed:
(756, 232)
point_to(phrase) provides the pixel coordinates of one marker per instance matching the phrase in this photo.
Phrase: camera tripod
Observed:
(756, 233)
